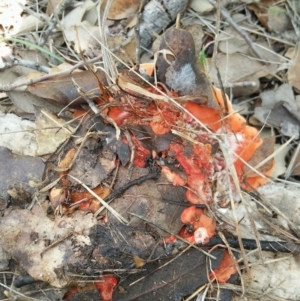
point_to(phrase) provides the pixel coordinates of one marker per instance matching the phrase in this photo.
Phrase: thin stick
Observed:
(132, 155)
(240, 31)
(103, 203)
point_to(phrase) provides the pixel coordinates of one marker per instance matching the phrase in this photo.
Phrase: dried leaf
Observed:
(238, 68)
(265, 150)
(22, 227)
(175, 281)
(293, 75)
(18, 170)
(30, 23)
(281, 274)
(52, 131)
(201, 6)
(18, 135)
(181, 71)
(232, 42)
(75, 16)
(278, 19)
(85, 38)
(261, 10)
(62, 90)
(121, 9)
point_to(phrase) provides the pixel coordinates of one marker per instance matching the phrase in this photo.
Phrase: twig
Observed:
(118, 192)
(82, 94)
(251, 244)
(240, 31)
(103, 203)
(56, 243)
(13, 61)
(17, 293)
(132, 150)
(162, 266)
(13, 86)
(57, 11)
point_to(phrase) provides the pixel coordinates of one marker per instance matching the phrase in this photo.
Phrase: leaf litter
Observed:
(182, 127)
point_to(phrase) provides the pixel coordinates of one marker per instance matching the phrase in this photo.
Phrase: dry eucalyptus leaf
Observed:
(232, 42)
(19, 172)
(121, 9)
(238, 68)
(293, 72)
(27, 102)
(278, 19)
(61, 89)
(264, 151)
(33, 229)
(52, 131)
(52, 5)
(197, 32)
(75, 16)
(261, 10)
(30, 23)
(201, 6)
(290, 53)
(280, 272)
(279, 109)
(285, 197)
(85, 37)
(18, 135)
(127, 53)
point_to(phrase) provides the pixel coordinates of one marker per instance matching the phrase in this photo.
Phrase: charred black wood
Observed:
(250, 244)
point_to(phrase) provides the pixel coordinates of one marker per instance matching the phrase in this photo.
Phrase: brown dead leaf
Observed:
(121, 9)
(261, 10)
(150, 200)
(85, 38)
(278, 19)
(181, 71)
(232, 42)
(18, 170)
(127, 53)
(51, 6)
(265, 150)
(238, 68)
(175, 281)
(62, 90)
(293, 72)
